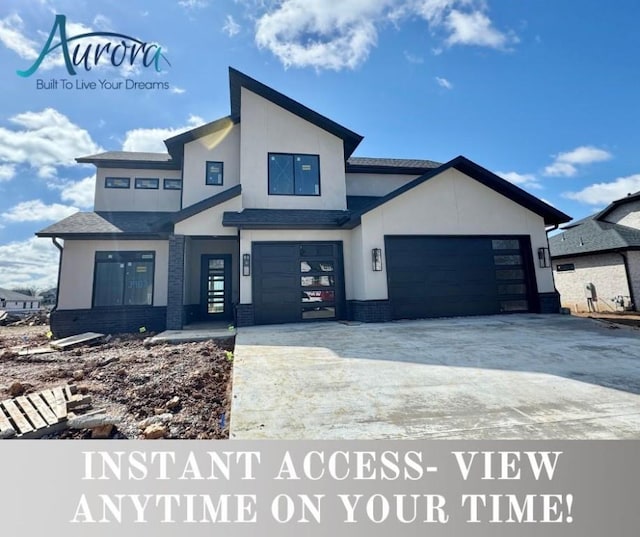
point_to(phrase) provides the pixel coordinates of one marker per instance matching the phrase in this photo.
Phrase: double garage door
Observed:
(295, 282)
(440, 276)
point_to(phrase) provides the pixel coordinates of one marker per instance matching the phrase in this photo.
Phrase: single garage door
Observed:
(435, 276)
(295, 282)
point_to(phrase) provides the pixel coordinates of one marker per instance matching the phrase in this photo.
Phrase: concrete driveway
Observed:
(498, 377)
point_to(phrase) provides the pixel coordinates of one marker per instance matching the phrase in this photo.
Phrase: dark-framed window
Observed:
(123, 279)
(146, 183)
(172, 184)
(565, 267)
(294, 174)
(117, 182)
(214, 173)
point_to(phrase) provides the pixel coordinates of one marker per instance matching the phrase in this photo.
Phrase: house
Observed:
(265, 216)
(596, 260)
(15, 302)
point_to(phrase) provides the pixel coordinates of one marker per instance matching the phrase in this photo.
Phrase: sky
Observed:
(543, 93)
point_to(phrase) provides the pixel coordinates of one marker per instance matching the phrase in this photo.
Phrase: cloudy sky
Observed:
(544, 93)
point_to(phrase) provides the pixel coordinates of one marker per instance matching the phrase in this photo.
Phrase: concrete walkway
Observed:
(499, 377)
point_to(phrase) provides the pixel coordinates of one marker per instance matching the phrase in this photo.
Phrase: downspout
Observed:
(626, 272)
(60, 248)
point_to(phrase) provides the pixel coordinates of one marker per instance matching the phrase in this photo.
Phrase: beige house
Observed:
(265, 216)
(596, 260)
(14, 302)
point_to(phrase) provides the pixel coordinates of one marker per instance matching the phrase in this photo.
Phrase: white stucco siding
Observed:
(605, 271)
(626, 215)
(450, 203)
(248, 237)
(220, 146)
(136, 199)
(209, 221)
(78, 260)
(375, 184)
(267, 128)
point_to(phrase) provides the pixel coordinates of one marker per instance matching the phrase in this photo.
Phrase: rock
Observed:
(173, 402)
(155, 420)
(16, 389)
(78, 374)
(155, 431)
(158, 411)
(8, 433)
(102, 432)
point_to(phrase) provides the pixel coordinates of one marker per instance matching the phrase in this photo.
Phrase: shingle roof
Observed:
(110, 223)
(285, 218)
(593, 236)
(6, 294)
(360, 203)
(130, 159)
(389, 165)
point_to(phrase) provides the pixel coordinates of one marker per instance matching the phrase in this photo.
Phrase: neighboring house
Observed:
(598, 257)
(265, 216)
(14, 302)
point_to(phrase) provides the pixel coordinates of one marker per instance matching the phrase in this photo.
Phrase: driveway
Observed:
(498, 377)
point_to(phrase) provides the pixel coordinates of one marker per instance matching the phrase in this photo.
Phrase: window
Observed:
(123, 279)
(143, 183)
(215, 172)
(294, 175)
(172, 184)
(567, 267)
(117, 182)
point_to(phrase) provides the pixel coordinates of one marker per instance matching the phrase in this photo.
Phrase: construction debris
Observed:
(86, 338)
(10, 318)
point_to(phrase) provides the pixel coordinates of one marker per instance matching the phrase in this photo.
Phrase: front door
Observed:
(215, 300)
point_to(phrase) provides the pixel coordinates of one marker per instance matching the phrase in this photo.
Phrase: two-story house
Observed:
(264, 216)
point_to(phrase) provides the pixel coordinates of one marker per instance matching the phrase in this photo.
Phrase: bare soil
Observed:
(186, 388)
(627, 318)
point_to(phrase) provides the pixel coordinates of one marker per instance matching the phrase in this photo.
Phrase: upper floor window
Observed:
(172, 184)
(117, 182)
(145, 183)
(215, 173)
(294, 175)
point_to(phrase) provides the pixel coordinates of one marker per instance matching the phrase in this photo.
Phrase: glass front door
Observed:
(216, 287)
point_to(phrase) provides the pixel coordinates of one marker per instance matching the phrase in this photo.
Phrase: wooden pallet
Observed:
(38, 414)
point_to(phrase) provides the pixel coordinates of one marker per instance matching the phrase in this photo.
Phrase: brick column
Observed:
(175, 285)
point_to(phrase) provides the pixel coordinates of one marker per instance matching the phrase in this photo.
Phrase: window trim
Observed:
(107, 180)
(293, 156)
(166, 181)
(206, 173)
(155, 180)
(123, 256)
(566, 267)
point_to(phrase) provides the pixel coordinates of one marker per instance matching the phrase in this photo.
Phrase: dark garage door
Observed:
(295, 282)
(431, 276)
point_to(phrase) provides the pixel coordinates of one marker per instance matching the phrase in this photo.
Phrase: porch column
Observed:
(175, 285)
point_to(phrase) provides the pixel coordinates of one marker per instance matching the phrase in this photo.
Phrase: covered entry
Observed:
(295, 282)
(440, 276)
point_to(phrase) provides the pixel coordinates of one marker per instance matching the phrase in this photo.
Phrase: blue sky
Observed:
(543, 93)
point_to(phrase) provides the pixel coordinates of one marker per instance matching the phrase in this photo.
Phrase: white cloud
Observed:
(605, 193)
(13, 38)
(43, 141)
(193, 4)
(37, 211)
(525, 180)
(152, 140)
(444, 83)
(567, 164)
(231, 27)
(80, 193)
(7, 172)
(340, 34)
(31, 263)
(177, 90)
(413, 58)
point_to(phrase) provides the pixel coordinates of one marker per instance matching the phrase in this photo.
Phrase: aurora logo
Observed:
(118, 51)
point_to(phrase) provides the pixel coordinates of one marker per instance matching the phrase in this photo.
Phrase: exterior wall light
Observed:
(543, 257)
(376, 259)
(246, 264)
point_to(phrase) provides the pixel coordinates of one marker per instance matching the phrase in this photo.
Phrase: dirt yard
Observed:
(183, 390)
(628, 318)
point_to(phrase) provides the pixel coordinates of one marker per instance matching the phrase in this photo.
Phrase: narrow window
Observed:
(144, 183)
(565, 267)
(117, 182)
(214, 173)
(172, 184)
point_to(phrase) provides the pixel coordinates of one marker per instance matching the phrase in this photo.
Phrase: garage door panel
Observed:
(434, 276)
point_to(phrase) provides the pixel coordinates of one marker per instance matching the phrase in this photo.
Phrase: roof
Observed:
(359, 203)
(285, 219)
(629, 198)
(238, 80)
(131, 159)
(390, 165)
(593, 236)
(551, 215)
(207, 203)
(6, 294)
(108, 224)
